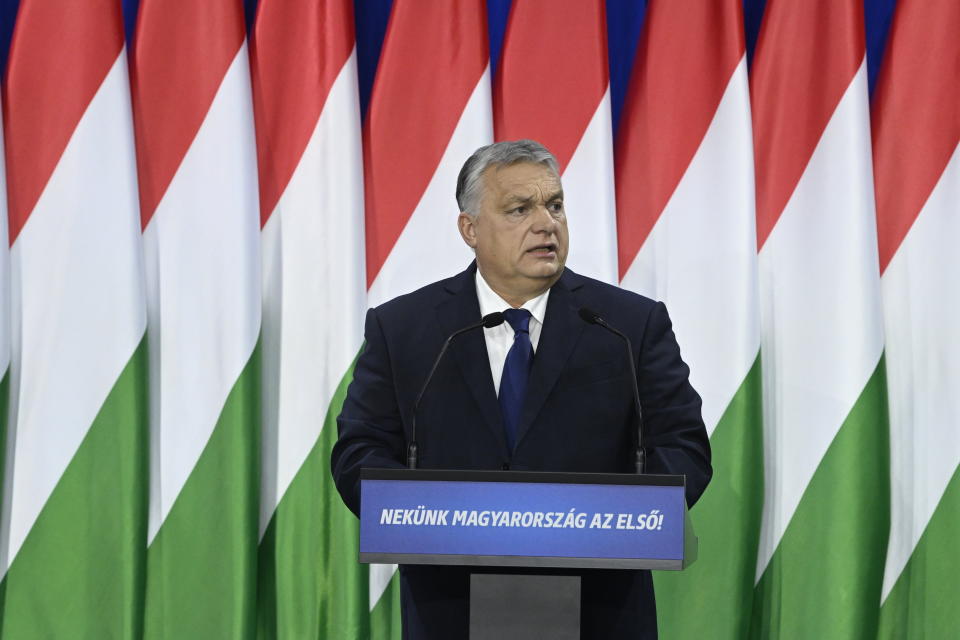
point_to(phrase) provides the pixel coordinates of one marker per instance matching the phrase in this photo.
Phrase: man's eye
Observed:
(518, 210)
(556, 207)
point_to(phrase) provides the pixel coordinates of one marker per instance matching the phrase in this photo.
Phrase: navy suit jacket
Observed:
(578, 416)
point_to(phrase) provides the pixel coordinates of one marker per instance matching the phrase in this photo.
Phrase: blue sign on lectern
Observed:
(530, 519)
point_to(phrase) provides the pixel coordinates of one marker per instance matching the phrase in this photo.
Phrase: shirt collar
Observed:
(491, 302)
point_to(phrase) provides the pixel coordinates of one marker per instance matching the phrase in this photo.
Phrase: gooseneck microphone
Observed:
(592, 317)
(488, 321)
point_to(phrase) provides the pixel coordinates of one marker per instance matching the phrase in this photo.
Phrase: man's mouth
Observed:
(543, 250)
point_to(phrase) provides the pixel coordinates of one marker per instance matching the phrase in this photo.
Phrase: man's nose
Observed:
(543, 220)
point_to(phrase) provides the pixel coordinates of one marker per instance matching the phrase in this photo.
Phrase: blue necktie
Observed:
(516, 371)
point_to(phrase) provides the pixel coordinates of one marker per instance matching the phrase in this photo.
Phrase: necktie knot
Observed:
(519, 319)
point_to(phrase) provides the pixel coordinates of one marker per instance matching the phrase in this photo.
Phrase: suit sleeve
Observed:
(675, 438)
(369, 427)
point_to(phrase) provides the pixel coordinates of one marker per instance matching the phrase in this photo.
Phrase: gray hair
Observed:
(469, 186)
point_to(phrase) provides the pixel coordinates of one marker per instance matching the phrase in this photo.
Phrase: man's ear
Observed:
(468, 229)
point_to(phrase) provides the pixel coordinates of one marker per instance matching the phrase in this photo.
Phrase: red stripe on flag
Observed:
(183, 49)
(297, 51)
(59, 56)
(553, 74)
(806, 57)
(916, 114)
(684, 62)
(433, 57)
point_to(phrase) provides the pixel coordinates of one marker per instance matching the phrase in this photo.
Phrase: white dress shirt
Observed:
(500, 339)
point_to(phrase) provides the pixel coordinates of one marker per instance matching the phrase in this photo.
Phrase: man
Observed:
(544, 391)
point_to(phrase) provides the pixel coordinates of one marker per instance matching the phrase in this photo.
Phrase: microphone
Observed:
(592, 317)
(488, 321)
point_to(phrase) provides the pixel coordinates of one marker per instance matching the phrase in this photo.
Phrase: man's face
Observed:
(520, 236)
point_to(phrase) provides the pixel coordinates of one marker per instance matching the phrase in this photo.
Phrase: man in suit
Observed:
(544, 391)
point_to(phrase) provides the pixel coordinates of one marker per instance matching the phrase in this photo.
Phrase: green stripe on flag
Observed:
(311, 584)
(80, 572)
(4, 418)
(825, 577)
(4, 410)
(385, 615)
(202, 566)
(718, 587)
(923, 602)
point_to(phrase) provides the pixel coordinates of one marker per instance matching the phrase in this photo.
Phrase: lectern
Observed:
(535, 520)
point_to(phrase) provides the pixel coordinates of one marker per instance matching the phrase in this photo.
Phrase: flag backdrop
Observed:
(200, 200)
(77, 445)
(198, 205)
(824, 402)
(686, 235)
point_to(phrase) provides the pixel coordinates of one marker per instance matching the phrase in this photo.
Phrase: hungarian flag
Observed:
(413, 151)
(165, 476)
(826, 516)
(201, 232)
(5, 317)
(916, 128)
(314, 297)
(686, 233)
(75, 486)
(560, 97)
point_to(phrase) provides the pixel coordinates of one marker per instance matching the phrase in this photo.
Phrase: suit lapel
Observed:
(460, 309)
(561, 330)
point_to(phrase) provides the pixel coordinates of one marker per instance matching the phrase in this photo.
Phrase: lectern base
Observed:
(509, 607)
